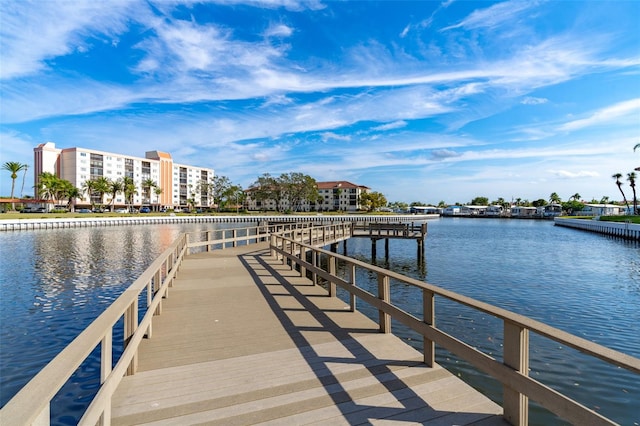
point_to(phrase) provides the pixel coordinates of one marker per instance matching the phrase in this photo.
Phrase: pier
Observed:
(242, 326)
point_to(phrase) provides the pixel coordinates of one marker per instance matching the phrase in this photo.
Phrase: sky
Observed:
(423, 101)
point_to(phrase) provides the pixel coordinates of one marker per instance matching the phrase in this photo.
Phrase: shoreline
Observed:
(76, 222)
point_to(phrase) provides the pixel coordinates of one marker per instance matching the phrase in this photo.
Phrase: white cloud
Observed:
(530, 100)
(565, 174)
(390, 126)
(279, 30)
(331, 135)
(31, 33)
(607, 115)
(495, 15)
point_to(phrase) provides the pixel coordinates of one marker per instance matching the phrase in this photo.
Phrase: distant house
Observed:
(601, 210)
(452, 211)
(425, 210)
(496, 211)
(550, 210)
(523, 212)
(474, 210)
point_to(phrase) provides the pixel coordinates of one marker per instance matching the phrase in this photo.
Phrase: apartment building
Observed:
(333, 196)
(178, 182)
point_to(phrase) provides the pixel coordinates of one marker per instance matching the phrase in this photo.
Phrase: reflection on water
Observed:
(55, 282)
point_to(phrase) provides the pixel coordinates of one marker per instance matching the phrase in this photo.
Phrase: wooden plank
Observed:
(244, 340)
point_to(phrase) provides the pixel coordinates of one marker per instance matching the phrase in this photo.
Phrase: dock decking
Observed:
(242, 339)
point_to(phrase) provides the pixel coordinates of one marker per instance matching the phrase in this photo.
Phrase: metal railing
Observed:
(512, 372)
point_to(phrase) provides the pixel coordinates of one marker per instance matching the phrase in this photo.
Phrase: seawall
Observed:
(626, 230)
(80, 222)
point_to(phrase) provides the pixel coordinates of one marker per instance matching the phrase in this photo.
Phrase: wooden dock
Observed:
(243, 339)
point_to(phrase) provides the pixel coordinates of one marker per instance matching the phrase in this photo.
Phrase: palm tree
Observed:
(158, 191)
(576, 197)
(554, 198)
(631, 177)
(147, 184)
(72, 194)
(89, 187)
(617, 177)
(26, 167)
(129, 189)
(115, 187)
(103, 186)
(637, 146)
(14, 167)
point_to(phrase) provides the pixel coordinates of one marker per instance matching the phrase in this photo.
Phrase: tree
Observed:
(373, 200)
(115, 187)
(554, 198)
(147, 184)
(158, 191)
(575, 197)
(297, 188)
(635, 147)
(218, 187)
(631, 177)
(102, 187)
(24, 175)
(268, 188)
(129, 188)
(72, 195)
(89, 187)
(480, 201)
(617, 177)
(13, 167)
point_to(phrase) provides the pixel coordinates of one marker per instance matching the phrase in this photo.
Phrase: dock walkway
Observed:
(242, 339)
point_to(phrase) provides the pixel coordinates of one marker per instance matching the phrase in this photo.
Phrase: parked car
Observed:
(84, 211)
(121, 210)
(145, 210)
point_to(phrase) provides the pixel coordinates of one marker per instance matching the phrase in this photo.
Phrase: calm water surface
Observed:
(55, 282)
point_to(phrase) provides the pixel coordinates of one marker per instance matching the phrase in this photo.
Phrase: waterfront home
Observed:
(601, 210)
(523, 212)
(452, 211)
(474, 210)
(496, 211)
(425, 210)
(550, 210)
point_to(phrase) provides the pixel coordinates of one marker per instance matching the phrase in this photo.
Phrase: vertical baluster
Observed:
(516, 356)
(352, 297)
(428, 306)
(332, 272)
(385, 295)
(106, 361)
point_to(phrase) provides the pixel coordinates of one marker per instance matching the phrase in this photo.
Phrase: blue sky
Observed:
(420, 100)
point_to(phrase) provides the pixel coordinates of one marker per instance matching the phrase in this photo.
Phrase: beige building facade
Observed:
(178, 182)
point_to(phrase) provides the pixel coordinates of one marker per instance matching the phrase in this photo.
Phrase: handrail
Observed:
(31, 405)
(512, 373)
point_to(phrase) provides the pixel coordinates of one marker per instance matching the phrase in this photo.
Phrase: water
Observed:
(55, 282)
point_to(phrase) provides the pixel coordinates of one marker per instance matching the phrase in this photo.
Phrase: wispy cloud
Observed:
(390, 126)
(530, 100)
(606, 115)
(495, 15)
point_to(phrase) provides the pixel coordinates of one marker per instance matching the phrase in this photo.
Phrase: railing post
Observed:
(272, 245)
(293, 253)
(314, 262)
(384, 294)
(235, 235)
(352, 297)
(130, 326)
(303, 258)
(187, 241)
(208, 235)
(332, 272)
(106, 360)
(516, 356)
(428, 308)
